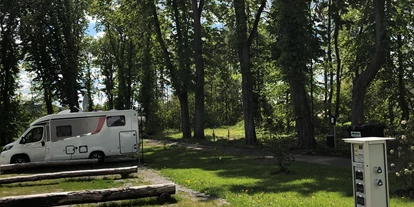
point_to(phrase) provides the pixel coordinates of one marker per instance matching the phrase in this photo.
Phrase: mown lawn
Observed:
(245, 181)
(93, 182)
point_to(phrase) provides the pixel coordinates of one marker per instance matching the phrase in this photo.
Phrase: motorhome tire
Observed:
(19, 159)
(97, 155)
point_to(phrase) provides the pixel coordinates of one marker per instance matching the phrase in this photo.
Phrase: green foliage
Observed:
(10, 54)
(401, 154)
(280, 146)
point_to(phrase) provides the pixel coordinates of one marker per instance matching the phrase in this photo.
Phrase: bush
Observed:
(280, 147)
(401, 154)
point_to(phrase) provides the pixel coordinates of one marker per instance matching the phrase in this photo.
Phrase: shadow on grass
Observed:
(306, 179)
(137, 202)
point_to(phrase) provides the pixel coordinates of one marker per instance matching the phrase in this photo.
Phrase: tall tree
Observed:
(105, 61)
(71, 14)
(199, 62)
(40, 21)
(244, 43)
(362, 81)
(296, 47)
(180, 77)
(10, 13)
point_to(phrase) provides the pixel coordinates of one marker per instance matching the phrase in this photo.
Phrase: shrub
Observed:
(401, 154)
(280, 147)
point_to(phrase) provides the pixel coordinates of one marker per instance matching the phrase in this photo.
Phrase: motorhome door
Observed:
(127, 141)
(60, 146)
(33, 143)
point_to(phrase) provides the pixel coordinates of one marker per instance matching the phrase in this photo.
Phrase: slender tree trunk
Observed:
(312, 108)
(48, 99)
(130, 67)
(391, 112)
(71, 66)
(148, 84)
(199, 91)
(244, 42)
(362, 81)
(247, 79)
(287, 117)
(182, 94)
(338, 71)
(185, 116)
(330, 68)
(401, 85)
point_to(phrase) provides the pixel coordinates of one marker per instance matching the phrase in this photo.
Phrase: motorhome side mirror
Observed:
(43, 144)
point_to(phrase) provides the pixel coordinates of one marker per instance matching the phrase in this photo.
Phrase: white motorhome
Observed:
(82, 135)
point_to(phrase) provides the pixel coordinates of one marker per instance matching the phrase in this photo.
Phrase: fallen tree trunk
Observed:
(88, 196)
(32, 165)
(69, 174)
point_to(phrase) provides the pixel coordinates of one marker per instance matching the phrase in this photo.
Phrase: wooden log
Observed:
(32, 165)
(124, 171)
(88, 196)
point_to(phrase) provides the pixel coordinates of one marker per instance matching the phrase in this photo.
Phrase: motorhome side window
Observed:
(34, 135)
(64, 131)
(113, 121)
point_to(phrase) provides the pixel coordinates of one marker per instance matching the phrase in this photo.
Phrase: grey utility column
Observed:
(369, 171)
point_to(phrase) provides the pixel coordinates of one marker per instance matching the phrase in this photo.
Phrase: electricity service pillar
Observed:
(369, 171)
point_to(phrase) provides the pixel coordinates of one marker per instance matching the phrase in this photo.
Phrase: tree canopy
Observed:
(282, 66)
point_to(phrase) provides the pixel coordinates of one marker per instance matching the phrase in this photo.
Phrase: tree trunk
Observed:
(247, 82)
(48, 99)
(180, 90)
(32, 165)
(88, 196)
(69, 174)
(301, 109)
(287, 116)
(330, 68)
(185, 117)
(199, 91)
(70, 68)
(338, 70)
(244, 44)
(401, 85)
(147, 95)
(362, 81)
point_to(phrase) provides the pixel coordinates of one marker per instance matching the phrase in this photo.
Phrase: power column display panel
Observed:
(369, 171)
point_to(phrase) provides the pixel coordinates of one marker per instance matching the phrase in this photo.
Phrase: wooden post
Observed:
(32, 165)
(88, 196)
(124, 171)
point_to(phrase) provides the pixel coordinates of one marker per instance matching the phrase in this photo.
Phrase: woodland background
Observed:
(285, 66)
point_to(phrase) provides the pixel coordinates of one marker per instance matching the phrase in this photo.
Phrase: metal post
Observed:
(141, 131)
(334, 131)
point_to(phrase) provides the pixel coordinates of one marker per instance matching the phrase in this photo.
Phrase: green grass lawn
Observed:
(90, 183)
(244, 181)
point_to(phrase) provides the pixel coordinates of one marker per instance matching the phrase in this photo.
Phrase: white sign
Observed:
(355, 134)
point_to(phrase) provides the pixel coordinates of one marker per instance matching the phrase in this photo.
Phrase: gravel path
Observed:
(152, 176)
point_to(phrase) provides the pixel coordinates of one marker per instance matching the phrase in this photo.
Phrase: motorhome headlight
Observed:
(7, 148)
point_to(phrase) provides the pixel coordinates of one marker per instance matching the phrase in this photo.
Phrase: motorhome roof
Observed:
(79, 114)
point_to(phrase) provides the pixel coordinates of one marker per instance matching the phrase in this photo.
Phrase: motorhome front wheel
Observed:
(19, 159)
